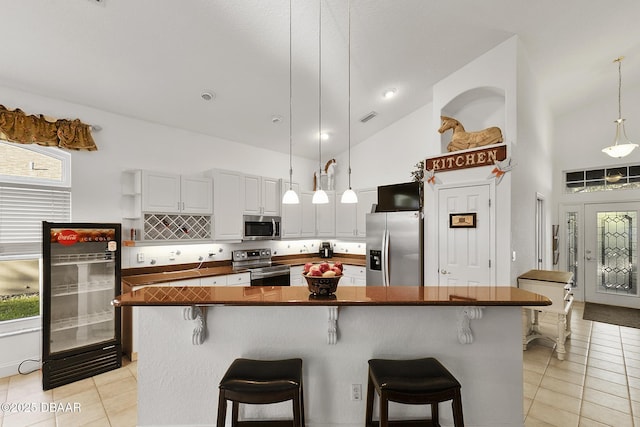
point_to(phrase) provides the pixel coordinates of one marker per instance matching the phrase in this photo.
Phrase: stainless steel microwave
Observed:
(261, 227)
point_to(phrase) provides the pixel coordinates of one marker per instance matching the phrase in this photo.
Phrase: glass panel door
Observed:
(611, 254)
(82, 284)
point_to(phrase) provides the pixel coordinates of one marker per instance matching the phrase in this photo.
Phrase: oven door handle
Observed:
(255, 275)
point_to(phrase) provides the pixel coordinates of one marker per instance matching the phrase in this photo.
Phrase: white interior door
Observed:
(611, 254)
(465, 252)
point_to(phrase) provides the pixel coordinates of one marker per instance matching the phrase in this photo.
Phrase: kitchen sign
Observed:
(469, 159)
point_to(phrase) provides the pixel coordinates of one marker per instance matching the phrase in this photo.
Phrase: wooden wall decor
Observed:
(469, 159)
(462, 140)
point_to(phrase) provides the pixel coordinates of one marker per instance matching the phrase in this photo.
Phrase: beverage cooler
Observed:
(81, 276)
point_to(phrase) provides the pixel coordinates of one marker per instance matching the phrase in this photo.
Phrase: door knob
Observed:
(445, 272)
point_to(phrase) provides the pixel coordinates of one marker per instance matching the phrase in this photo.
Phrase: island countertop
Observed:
(344, 296)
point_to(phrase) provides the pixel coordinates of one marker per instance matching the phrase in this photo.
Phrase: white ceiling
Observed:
(151, 59)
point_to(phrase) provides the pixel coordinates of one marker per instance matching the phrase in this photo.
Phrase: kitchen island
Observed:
(474, 331)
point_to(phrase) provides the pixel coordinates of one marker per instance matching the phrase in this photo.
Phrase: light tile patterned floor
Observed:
(598, 384)
(109, 399)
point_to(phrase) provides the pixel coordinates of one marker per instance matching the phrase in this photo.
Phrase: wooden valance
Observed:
(16, 126)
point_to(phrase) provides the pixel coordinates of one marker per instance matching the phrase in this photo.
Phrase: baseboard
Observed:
(10, 369)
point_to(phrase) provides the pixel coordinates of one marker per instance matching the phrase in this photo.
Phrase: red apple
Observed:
(307, 266)
(324, 267)
(315, 273)
(338, 264)
(336, 270)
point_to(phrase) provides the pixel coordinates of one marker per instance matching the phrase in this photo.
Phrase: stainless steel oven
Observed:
(260, 227)
(263, 271)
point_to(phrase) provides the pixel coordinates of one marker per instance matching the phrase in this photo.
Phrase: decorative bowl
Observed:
(319, 285)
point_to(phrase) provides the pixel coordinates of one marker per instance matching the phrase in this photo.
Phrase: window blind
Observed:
(22, 211)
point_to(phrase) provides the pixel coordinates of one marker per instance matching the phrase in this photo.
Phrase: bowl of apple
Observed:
(322, 278)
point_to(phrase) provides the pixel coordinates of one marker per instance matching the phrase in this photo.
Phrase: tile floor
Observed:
(597, 385)
(108, 399)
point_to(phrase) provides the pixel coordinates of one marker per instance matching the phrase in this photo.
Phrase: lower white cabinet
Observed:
(239, 279)
(354, 275)
(296, 278)
(213, 281)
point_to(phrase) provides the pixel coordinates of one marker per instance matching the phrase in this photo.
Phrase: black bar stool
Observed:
(417, 381)
(260, 382)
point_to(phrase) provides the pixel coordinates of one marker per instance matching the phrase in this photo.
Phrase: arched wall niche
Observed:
(476, 109)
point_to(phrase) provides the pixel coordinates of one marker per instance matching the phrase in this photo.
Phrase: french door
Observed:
(611, 254)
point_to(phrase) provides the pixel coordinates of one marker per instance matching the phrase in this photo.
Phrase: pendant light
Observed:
(319, 196)
(290, 197)
(619, 148)
(349, 196)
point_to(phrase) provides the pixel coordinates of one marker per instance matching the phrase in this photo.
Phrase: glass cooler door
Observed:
(83, 280)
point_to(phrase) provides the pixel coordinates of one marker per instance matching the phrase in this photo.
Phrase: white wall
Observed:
(533, 171)
(389, 156)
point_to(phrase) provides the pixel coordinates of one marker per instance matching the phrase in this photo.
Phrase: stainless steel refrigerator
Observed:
(394, 248)
(81, 276)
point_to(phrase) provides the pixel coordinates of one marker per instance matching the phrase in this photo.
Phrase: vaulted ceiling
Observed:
(152, 59)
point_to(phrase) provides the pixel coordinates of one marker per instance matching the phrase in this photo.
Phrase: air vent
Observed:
(368, 117)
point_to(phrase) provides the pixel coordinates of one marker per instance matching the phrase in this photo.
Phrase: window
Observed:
(603, 179)
(34, 187)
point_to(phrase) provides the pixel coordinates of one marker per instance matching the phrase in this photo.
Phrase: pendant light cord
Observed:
(619, 61)
(349, 92)
(320, 96)
(290, 102)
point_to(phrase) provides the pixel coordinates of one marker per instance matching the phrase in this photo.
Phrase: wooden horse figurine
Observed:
(461, 139)
(328, 176)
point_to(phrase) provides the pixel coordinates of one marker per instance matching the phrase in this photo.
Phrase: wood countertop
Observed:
(222, 269)
(344, 296)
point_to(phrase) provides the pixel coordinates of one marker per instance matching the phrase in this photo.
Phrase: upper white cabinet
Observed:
(291, 225)
(228, 204)
(261, 195)
(326, 217)
(366, 198)
(346, 219)
(170, 193)
(351, 217)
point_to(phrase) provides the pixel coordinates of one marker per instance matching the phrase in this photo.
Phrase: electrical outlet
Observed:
(140, 257)
(172, 255)
(356, 391)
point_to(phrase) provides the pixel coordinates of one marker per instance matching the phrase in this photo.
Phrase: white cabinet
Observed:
(346, 219)
(228, 204)
(326, 217)
(296, 278)
(354, 275)
(291, 225)
(366, 198)
(351, 219)
(308, 215)
(261, 195)
(213, 281)
(239, 279)
(169, 193)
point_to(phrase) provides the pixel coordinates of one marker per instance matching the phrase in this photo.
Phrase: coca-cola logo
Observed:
(67, 237)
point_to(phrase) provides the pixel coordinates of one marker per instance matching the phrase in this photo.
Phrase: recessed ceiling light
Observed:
(324, 136)
(208, 96)
(389, 93)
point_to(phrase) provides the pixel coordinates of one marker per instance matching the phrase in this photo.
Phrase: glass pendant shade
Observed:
(620, 149)
(320, 197)
(349, 196)
(290, 198)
